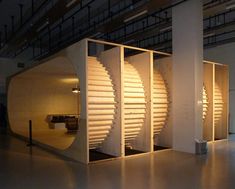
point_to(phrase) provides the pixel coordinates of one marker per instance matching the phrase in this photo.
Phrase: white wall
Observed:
(225, 54)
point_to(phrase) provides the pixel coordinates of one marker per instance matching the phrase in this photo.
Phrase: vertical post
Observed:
(187, 74)
(0, 39)
(32, 7)
(49, 36)
(60, 34)
(12, 24)
(5, 29)
(30, 134)
(209, 22)
(89, 14)
(73, 27)
(21, 13)
(33, 50)
(109, 8)
(125, 31)
(40, 45)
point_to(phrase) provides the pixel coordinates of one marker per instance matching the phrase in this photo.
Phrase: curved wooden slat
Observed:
(160, 102)
(101, 103)
(134, 103)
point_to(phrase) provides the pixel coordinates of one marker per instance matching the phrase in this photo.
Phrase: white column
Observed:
(187, 74)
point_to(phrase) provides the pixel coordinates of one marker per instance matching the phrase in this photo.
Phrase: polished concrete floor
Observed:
(22, 167)
(57, 138)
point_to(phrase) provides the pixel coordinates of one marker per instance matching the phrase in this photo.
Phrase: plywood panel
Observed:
(143, 64)
(99, 133)
(160, 97)
(208, 83)
(221, 102)
(113, 60)
(164, 66)
(77, 54)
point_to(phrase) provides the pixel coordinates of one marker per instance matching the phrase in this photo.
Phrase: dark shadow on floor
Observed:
(129, 152)
(219, 139)
(158, 148)
(95, 155)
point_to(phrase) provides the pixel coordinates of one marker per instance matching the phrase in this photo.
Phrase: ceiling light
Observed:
(165, 29)
(71, 80)
(70, 3)
(158, 48)
(209, 35)
(42, 26)
(231, 6)
(95, 35)
(129, 41)
(136, 15)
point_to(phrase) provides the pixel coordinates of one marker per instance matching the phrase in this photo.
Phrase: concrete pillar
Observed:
(187, 74)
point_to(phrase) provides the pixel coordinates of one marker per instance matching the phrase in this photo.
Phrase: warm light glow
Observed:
(76, 90)
(70, 80)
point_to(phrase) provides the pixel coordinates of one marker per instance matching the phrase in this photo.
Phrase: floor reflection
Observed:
(36, 168)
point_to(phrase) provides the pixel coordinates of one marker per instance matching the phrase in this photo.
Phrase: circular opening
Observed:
(45, 95)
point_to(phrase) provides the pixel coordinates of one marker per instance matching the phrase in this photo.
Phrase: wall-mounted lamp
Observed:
(76, 90)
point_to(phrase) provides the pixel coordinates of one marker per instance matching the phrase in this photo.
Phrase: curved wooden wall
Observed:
(41, 91)
(101, 103)
(160, 102)
(134, 103)
(218, 104)
(205, 102)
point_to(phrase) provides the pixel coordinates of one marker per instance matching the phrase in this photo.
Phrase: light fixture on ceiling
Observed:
(70, 3)
(129, 41)
(97, 34)
(209, 35)
(230, 6)
(136, 15)
(165, 29)
(76, 90)
(43, 26)
(159, 48)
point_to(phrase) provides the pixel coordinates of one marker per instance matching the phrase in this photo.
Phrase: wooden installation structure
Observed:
(215, 100)
(123, 105)
(216, 87)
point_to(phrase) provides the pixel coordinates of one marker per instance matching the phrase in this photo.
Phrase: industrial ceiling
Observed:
(35, 29)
